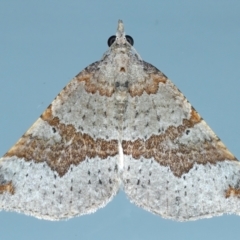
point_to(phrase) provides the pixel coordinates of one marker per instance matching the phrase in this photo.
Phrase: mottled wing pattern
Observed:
(66, 164)
(174, 164)
(120, 121)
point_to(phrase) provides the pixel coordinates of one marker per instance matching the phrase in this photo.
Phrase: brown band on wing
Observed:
(7, 187)
(103, 87)
(232, 192)
(73, 148)
(180, 159)
(150, 85)
(195, 117)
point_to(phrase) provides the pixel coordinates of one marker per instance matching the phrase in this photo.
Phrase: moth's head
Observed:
(120, 39)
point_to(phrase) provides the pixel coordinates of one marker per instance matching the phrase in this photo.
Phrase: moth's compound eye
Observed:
(111, 40)
(130, 39)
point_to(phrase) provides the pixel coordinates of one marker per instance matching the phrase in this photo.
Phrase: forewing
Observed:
(174, 164)
(66, 163)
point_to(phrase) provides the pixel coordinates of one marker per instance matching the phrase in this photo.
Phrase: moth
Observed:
(120, 123)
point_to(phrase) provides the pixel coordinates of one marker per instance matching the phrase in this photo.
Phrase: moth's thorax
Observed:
(119, 74)
(122, 65)
(121, 84)
(120, 57)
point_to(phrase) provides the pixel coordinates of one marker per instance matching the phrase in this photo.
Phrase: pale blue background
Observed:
(43, 44)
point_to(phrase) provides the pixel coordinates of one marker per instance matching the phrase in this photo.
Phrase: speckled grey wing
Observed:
(66, 164)
(174, 164)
